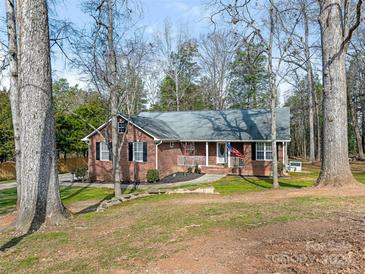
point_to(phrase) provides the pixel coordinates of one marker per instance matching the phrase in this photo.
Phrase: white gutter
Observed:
(159, 143)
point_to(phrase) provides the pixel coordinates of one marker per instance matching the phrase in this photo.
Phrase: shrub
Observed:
(79, 173)
(153, 175)
(197, 169)
(190, 169)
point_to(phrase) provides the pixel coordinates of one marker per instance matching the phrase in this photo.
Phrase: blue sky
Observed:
(189, 15)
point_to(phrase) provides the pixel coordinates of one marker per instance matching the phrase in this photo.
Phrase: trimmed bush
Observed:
(80, 173)
(153, 175)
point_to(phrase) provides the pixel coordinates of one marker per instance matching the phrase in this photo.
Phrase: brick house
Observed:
(173, 141)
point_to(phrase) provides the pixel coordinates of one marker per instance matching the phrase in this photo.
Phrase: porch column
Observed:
(206, 153)
(229, 158)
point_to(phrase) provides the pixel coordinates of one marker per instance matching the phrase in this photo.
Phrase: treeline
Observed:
(77, 113)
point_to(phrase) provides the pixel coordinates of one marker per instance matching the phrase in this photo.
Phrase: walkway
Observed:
(66, 178)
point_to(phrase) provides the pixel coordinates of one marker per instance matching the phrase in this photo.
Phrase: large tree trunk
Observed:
(114, 102)
(272, 82)
(40, 201)
(14, 92)
(335, 167)
(355, 124)
(310, 82)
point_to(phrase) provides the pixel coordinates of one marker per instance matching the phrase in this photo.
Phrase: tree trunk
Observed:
(40, 201)
(114, 102)
(272, 82)
(355, 124)
(310, 84)
(319, 128)
(14, 92)
(177, 91)
(335, 167)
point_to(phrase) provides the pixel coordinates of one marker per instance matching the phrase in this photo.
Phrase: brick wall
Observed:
(167, 157)
(102, 170)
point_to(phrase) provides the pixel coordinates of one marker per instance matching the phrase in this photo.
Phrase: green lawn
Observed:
(226, 185)
(68, 194)
(130, 235)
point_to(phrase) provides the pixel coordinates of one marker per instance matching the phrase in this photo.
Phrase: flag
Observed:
(234, 151)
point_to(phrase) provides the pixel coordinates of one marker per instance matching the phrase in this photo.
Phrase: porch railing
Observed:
(236, 162)
(191, 160)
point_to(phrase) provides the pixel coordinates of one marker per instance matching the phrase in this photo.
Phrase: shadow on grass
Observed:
(74, 193)
(268, 181)
(94, 207)
(13, 242)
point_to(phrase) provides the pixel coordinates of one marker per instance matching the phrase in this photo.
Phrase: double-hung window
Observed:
(263, 151)
(103, 151)
(137, 151)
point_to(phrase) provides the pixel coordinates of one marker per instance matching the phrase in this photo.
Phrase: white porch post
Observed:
(206, 153)
(229, 157)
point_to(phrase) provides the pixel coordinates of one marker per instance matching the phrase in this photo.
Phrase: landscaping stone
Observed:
(128, 197)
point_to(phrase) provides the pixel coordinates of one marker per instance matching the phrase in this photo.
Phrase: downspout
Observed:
(157, 144)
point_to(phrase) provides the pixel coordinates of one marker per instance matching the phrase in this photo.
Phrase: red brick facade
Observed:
(168, 156)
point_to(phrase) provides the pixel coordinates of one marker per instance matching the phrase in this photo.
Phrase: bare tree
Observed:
(216, 54)
(268, 36)
(40, 201)
(338, 19)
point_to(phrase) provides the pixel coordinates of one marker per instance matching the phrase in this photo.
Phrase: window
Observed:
(122, 127)
(137, 152)
(104, 151)
(263, 151)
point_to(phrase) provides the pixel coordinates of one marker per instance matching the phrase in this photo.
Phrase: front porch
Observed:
(210, 154)
(216, 158)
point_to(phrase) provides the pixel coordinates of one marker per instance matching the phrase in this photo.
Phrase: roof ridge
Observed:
(211, 110)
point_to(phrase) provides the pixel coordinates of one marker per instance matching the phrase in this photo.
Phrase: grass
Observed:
(133, 234)
(69, 195)
(227, 185)
(7, 200)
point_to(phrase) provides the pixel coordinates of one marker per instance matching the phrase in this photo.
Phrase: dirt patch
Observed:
(327, 246)
(6, 220)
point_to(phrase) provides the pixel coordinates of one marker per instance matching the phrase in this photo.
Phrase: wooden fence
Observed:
(7, 169)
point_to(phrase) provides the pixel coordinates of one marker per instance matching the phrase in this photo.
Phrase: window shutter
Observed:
(130, 152)
(144, 152)
(253, 151)
(97, 151)
(277, 151)
(110, 146)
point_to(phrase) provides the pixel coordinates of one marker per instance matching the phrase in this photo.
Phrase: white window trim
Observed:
(265, 144)
(102, 149)
(135, 151)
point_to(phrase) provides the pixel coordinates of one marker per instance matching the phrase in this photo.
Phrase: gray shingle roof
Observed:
(230, 125)
(155, 127)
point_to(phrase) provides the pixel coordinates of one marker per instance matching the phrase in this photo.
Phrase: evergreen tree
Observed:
(249, 83)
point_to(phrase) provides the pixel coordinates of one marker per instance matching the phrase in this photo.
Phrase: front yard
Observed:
(249, 227)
